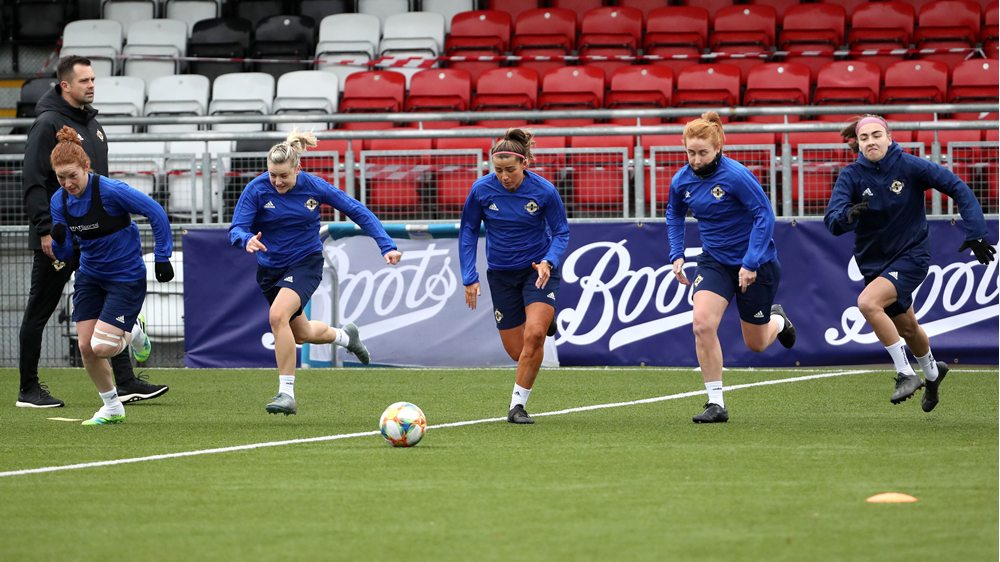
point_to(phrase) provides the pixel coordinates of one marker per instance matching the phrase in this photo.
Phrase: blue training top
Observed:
(118, 256)
(290, 221)
(735, 218)
(524, 226)
(896, 220)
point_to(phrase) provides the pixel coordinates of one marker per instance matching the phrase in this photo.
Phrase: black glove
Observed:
(58, 233)
(854, 213)
(981, 248)
(164, 271)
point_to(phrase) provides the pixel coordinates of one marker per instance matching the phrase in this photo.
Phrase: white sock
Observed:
(781, 321)
(286, 384)
(519, 396)
(928, 366)
(138, 338)
(714, 389)
(898, 354)
(342, 338)
(112, 405)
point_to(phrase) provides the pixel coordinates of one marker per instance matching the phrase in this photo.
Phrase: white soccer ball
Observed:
(403, 424)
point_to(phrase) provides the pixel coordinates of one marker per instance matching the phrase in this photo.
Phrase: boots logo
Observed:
(896, 187)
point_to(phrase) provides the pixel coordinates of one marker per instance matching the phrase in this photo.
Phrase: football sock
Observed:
(138, 337)
(928, 366)
(714, 389)
(112, 405)
(286, 384)
(898, 354)
(780, 320)
(519, 396)
(342, 338)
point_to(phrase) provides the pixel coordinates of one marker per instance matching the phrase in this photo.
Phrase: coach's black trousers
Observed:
(47, 284)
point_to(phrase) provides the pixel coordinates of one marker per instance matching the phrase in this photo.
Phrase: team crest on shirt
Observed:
(311, 204)
(896, 187)
(100, 135)
(498, 314)
(531, 207)
(717, 192)
(58, 265)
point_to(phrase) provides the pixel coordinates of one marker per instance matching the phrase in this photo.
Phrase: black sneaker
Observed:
(38, 397)
(787, 335)
(713, 414)
(518, 415)
(930, 398)
(906, 386)
(140, 389)
(552, 328)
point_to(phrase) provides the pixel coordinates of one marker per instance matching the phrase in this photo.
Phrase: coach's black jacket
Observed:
(39, 179)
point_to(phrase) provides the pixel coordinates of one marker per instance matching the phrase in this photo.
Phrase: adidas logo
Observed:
(121, 319)
(552, 295)
(493, 207)
(760, 314)
(268, 205)
(894, 274)
(687, 194)
(868, 192)
(289, 279)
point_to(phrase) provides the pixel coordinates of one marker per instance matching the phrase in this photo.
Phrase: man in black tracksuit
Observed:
(66, 104)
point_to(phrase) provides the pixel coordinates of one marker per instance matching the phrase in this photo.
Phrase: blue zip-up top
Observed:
(735, 218)
(524, 226)
(118, 256)
(896, 220)
(290, 221)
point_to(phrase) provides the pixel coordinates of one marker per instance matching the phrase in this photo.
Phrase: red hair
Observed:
(69, 149)
(708, 127)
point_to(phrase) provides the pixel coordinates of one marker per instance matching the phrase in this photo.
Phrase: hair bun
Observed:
(69, 134)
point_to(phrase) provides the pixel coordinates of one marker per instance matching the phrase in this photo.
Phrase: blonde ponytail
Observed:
(294, 145)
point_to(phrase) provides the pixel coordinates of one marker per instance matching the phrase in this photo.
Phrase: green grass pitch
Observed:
(785, 479)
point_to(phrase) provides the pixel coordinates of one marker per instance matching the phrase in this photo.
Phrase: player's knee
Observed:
(756, 346)
(104, 347)
(534, 339)
(85, 348)
(867, 305)
(701, 328)
(277, 318)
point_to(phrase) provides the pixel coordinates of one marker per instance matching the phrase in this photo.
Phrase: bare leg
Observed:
(759, 336)
(312, 331)
(909, 329)
(284, 305)
(708, 310)
(98, 368)
(879, 294)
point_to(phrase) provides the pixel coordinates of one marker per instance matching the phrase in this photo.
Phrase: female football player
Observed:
(526, 235)
(881, 198)
(738, 256)
(282, 208)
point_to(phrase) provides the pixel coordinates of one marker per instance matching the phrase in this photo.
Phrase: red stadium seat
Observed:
(914, 81)
(820, 166)
(478, 33)
(440, 89)
(579, 7)
(974, 81)
(513, 7)
(917, 4)
(881, 25)
(598, 177)
(777, 84)
(647, 87)
(713, 6)
(506, 89)
(946, 24)
(676, 31)
(665, 166)
(990, 34)
(812, 27)
(848, 5)
(323, 166)
(572, 87)
(847, 83)
(744, 29)
(611, 31)
(394, 183)
(375, 91)
(644, 6)
(550, 166)
(544, 32)
(708, 85)
(780, 6)
(454, 174)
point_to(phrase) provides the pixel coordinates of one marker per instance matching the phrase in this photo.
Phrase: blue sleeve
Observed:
(944, 180)
(841, 201)
(64, 251)
(676, 212)
(358, 213)
(468, 238)
(133, 201)
(750, 192)
(555, 216)
(243, 216)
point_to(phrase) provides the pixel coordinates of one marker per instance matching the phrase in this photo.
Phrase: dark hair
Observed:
(69, 149)
(850, 131)
(64, 70)
(517, 141)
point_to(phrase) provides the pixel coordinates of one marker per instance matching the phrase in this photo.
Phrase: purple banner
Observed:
(620, 304)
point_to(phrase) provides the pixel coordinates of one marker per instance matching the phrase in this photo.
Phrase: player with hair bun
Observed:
(526, 235)
(282, 207)
(881, 198)
(738, 256)
(111, 282)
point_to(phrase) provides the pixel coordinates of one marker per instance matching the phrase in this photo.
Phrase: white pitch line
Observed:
(438, 426)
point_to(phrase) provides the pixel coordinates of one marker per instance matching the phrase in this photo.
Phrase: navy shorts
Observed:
(906, 274)
(116, 302)
(513, 291)
(303, 277)
(724, 280)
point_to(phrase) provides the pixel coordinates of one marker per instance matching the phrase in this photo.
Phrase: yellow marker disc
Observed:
(63, 419)
(891, 497)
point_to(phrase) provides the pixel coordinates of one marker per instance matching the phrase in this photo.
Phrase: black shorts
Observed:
(116, 302)
(303, 277)
(906, 274)
(512, 291)
(724, 280)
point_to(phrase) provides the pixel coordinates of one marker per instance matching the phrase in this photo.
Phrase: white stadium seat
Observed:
(242, 92)
(177, 94)
(306, 91)
(119, 96)
(155, 37)
(139, 164)
(412, 34)
(98, 40)
(448, 9)
(192, 12)
(383, 8)
(127, 12)
(347, 37)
